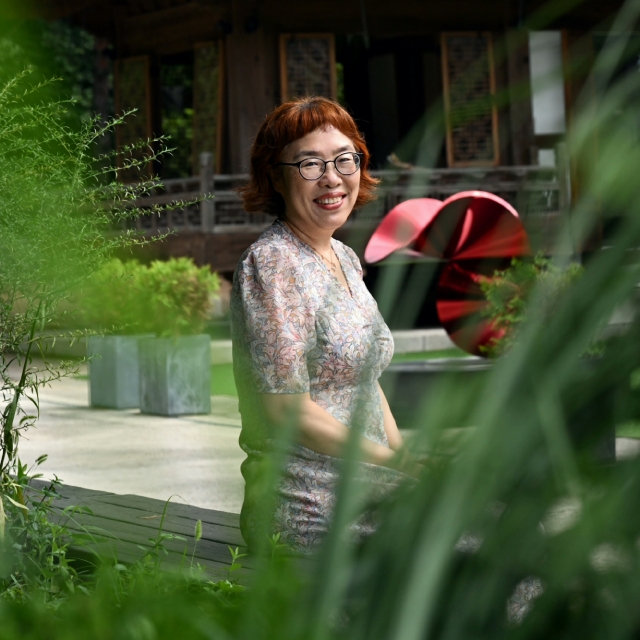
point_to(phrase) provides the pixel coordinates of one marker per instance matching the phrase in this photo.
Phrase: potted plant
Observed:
(130, 303)
(175, 366)
(111, 304)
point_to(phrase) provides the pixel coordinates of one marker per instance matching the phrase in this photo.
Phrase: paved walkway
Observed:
(124, 452)
(195, 457)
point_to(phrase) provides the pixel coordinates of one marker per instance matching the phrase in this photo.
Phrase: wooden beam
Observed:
(171, 30)
(520, 114)
(251, 83)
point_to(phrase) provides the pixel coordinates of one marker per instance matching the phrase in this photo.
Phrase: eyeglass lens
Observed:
(346, 164)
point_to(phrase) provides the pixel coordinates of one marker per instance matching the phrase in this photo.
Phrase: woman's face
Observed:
(322, 204)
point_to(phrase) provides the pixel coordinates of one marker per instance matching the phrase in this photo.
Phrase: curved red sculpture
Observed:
(473, 233)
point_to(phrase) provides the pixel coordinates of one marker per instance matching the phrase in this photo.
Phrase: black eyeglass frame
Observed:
(326, 162)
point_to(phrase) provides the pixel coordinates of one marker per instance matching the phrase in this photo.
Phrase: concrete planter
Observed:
(175, 375)
(113, 371)
(409, 385)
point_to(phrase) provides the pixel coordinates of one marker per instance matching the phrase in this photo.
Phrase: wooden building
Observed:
(444, 84)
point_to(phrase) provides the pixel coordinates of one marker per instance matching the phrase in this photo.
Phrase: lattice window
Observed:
(307, 65)
(207, 103)
(133, 91)
(469, 96)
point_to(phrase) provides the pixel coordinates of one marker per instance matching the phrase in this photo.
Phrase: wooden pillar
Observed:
(102, 89)
(580, 97)
(521, 116)
(250, 81)
(207, 207)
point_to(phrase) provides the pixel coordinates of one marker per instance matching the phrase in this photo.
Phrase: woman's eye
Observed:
(311, 163)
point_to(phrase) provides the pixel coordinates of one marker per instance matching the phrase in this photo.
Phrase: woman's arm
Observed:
(390, 427)
(319, 431)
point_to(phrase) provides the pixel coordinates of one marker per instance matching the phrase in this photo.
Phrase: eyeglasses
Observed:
(314, 168)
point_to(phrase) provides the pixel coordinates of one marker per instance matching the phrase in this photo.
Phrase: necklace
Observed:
(328, 260)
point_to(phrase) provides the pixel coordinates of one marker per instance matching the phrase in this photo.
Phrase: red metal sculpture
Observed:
(473, 233)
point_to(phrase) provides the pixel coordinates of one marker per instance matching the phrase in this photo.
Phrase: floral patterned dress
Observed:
(296, 329)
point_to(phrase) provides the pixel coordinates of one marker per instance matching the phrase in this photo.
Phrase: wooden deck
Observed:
(121, 524)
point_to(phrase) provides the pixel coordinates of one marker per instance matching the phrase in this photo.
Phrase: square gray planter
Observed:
(113, 371)
(175, 375)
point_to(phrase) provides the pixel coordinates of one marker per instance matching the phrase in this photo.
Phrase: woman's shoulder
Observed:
(272, 248)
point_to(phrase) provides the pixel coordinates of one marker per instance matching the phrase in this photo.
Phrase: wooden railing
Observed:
(533, 191)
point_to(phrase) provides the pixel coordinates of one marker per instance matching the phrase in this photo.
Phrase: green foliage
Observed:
(177, 118)
(33, 549)
(169, 298)
(53, 49)
(110, 298)
(520, 502)
(62, 215)
(172, 609)
(179, 127)
(178, 296)
(510, 293)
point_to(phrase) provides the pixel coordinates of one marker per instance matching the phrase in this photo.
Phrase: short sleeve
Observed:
(276, 326)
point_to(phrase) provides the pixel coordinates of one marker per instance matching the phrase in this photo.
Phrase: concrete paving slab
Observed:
(627, 448)
(196, 457)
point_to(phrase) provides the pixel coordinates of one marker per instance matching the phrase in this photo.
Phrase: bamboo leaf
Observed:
(20, 505)
(2, 519)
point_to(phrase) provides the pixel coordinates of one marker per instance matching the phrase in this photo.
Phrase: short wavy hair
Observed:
(289, 122)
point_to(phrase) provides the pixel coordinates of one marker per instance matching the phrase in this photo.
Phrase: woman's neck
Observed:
(319, 240)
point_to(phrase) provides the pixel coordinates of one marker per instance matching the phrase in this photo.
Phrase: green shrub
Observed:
(176, 296)
(63, 214)
(169, 298)
(110, 300)
(510, 294)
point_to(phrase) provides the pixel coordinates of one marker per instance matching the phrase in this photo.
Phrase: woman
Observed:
(308, 339)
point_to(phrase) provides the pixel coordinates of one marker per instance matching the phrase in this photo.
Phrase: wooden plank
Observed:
(69, 491)
(129, 553)
(151, 520)
(125, 525)
(174, 508)
(104, 528)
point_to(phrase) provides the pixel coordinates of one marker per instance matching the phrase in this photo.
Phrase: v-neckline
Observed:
(319, 259)
(333, 275)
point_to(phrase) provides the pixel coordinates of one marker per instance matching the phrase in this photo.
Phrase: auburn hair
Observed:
(289, 122)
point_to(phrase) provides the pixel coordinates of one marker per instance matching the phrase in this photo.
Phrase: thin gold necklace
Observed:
(329, 260)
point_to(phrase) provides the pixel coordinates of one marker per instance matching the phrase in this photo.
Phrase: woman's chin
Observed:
(332, 219)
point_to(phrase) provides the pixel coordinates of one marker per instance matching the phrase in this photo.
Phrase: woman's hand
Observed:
(318, 430)
(404, 461)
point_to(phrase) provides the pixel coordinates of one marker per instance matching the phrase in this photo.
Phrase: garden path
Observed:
(195, 458)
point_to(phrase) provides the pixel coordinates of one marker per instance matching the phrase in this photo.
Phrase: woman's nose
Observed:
(331, 175)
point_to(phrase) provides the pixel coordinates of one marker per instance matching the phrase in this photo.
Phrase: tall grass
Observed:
(524, 507)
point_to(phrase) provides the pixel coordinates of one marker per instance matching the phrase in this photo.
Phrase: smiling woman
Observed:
(309, 343)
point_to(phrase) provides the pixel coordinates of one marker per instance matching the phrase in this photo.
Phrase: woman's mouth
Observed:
(332, 202)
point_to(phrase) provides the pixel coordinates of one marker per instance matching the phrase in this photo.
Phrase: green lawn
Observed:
(430, 355)
(222, 382)
(628, 430)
